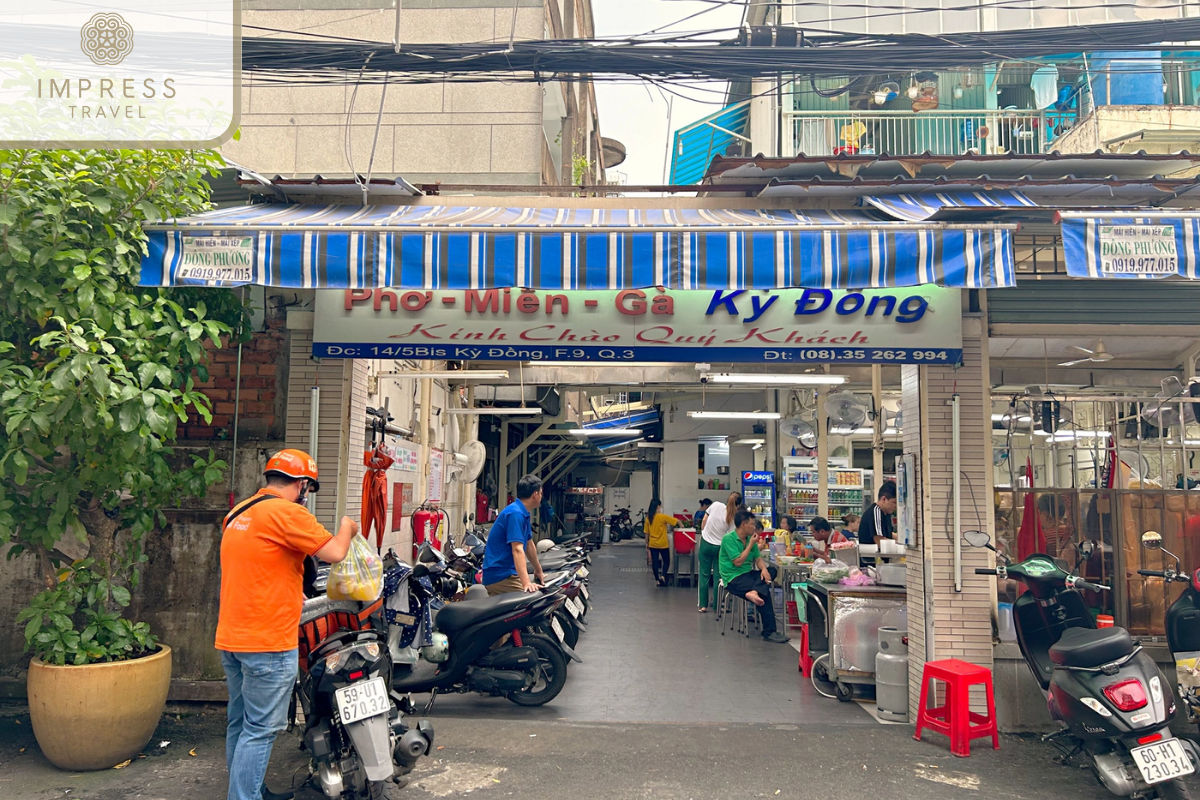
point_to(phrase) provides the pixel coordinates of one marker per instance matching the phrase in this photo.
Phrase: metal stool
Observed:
(735, 608)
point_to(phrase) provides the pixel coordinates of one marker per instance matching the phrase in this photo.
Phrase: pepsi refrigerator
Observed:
(758, 493)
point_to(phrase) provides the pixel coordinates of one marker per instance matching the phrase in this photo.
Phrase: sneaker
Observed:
(776, 637)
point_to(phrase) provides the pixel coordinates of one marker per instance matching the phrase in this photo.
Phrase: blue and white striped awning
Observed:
(464, 247)
(1132, 244)
(924, 207)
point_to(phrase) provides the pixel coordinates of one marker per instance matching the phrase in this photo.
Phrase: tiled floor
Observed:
(650, 657)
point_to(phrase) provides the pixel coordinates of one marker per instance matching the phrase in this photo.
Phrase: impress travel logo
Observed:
(106, 39)
(131, 73)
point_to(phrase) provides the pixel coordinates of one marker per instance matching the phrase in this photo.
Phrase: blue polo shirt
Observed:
(512, 525)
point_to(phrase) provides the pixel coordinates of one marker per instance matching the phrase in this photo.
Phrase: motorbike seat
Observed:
(456, 616)
(1091, 647)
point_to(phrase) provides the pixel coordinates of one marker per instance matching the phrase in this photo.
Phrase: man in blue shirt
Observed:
(510, 543)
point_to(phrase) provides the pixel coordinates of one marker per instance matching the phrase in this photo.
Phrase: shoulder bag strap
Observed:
(237, 512)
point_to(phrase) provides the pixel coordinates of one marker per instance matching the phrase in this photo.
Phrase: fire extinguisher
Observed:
(424, 527)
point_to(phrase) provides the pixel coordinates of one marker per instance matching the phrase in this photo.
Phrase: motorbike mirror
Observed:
(1087, 548)
(1152, 540)
(977, 538)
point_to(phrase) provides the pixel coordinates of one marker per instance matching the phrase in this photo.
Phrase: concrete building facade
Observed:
(454, 133)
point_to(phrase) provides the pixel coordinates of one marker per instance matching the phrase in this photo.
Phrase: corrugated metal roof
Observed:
(1067, 191)
(1052, 166)
(695, 146)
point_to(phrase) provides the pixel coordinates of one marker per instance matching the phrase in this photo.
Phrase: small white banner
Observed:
(1138, 250)
(207, 258)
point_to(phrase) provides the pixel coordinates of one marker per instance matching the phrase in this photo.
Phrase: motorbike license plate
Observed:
(362, 700)
(558, 631)
(583, 572)
(1162, 761)
(571, 607)
(584, 591)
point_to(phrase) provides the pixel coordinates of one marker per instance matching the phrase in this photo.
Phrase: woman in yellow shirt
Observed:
(656, 541)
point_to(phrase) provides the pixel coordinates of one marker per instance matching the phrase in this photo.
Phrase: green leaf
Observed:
(33, 627)
(121, 595)
(129, 417)
(20, 468)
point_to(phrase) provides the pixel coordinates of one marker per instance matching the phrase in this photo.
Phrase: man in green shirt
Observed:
(746, 574)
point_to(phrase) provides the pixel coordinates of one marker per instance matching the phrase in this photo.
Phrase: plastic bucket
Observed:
(1104, 621)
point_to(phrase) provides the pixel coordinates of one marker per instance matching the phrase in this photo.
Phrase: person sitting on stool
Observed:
(746, 574)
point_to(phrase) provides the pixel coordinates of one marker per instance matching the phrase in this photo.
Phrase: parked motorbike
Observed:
(1108, 695)
(456, 641)
(1183, 626)
(620, 525)
(355, 735)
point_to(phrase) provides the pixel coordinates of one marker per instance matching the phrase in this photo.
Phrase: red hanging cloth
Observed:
(1030, 538)
(374, 501)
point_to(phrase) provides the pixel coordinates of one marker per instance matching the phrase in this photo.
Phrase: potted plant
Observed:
(96, 375)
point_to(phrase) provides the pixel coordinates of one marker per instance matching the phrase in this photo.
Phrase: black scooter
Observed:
(530, 669)
(1113, 702)
(1183, 626)
(355, 735)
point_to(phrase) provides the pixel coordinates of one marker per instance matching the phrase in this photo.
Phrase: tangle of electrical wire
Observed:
(838, 55)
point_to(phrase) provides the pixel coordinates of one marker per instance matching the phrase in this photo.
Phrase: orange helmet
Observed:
(294, 464)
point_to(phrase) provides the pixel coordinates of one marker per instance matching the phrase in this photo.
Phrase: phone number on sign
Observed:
(871, 355)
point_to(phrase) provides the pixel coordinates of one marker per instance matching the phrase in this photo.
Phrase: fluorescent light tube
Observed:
(451, 374)
(735, 415)
(779, 380)
(499, 412)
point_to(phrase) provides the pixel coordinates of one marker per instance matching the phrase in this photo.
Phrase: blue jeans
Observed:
(260, 686)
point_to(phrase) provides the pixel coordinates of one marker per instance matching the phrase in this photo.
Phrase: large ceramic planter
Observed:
(96, 716)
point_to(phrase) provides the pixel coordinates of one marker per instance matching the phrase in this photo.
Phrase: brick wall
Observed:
(263, 366)
(961, 620)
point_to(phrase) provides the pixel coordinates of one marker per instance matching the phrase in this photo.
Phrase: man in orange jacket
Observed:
(265, 540)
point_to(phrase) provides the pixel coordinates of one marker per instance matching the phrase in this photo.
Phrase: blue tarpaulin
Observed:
(923, 207)
(1132, 244)
(471, 247)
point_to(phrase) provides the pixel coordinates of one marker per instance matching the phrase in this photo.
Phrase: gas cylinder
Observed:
(891, 675)
(424, 526)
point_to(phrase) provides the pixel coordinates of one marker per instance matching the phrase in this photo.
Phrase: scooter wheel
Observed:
(552, 676)
(1175, 790)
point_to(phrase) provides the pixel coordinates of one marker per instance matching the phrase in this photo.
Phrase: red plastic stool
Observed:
(806, 660)
(955, 719)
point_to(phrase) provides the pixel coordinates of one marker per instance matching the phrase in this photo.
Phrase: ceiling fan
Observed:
(1097, 355)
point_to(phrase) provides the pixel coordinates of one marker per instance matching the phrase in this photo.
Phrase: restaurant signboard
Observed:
(919, 325)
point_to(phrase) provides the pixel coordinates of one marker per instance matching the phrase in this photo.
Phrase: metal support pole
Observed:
(822, 458)
(502, 478)
(880, 424)
(396, 41)
(314, 419)
(956, 434)
(423, 455)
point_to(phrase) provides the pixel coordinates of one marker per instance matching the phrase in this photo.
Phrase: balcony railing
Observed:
(824, 133)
